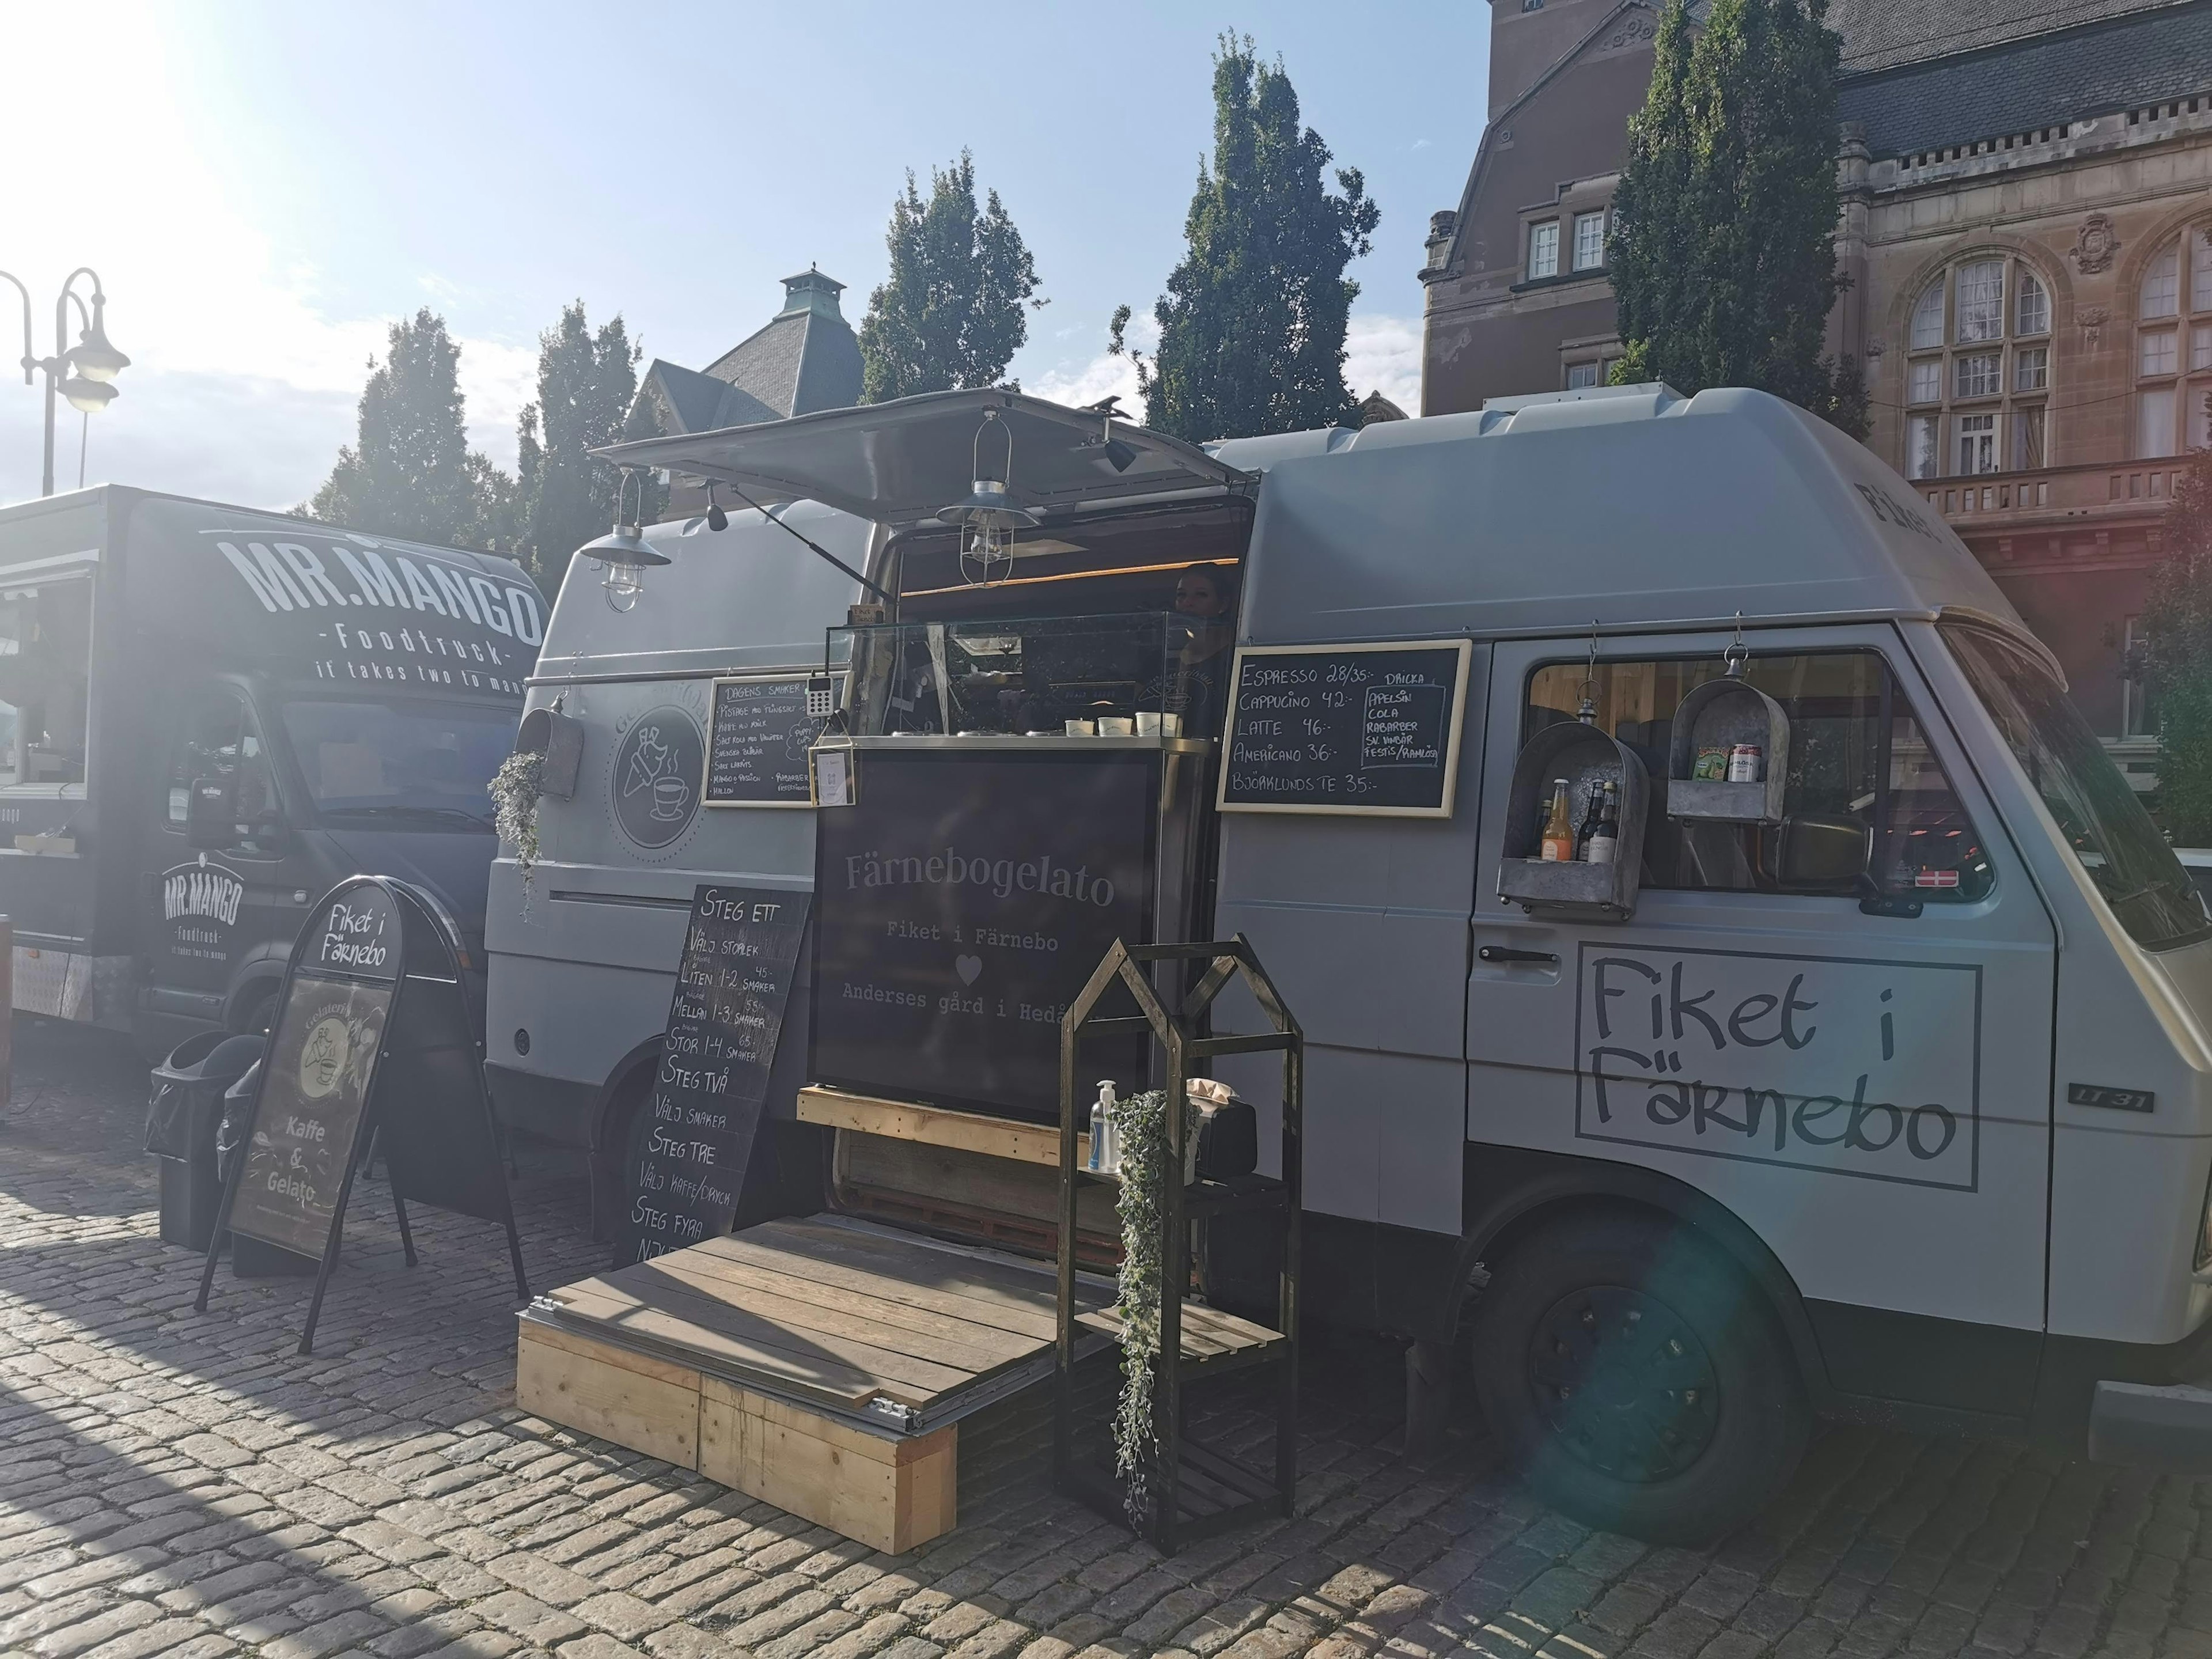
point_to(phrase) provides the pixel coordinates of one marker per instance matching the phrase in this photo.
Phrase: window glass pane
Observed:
(2154, 423)
(1920, 446)
(2093, 807)
(217, 740)
(1978, 443)
(1976, 374)
(2031, 368)
(2160, 353)
(2032, 315)
(1926, 381)
(2161, 285)
(1927, 317)
(46, 649)
(1544, 249)
(1981, 301)
(424, 765)
(2200, 346)
(2197, 416)
(1851, 771)
(2027, 440)
(1590, 240)
(2200, 265)
(1581, 375)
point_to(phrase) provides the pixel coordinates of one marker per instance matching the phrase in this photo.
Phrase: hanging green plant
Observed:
(1140, 1123)
(515, 810)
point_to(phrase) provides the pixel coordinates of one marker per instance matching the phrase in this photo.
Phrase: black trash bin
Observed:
(186, 1096)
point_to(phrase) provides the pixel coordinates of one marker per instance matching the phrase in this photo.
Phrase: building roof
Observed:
(2145, 53)
(805, 359)
(1883, 34)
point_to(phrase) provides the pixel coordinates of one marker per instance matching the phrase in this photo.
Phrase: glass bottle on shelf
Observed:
(1604, 836)
(1559, 842)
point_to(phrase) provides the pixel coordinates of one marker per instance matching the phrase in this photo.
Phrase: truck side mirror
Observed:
(211, 814)
(1818, 853)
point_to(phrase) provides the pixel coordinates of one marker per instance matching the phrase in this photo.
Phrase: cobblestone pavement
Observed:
(188, 1486)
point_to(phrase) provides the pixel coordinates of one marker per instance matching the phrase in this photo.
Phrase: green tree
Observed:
(1722, 247)
(2178, 656)
(410, 471)
(950, 315)
(586, 382)
(1253, 322)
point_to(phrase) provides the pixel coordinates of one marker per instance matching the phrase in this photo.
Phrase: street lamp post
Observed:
(81, 373)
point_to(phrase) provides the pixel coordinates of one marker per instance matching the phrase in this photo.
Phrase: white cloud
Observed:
(243, 374)
(1384, 354)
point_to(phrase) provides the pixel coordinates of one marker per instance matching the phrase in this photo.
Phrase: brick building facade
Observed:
(2027, 227)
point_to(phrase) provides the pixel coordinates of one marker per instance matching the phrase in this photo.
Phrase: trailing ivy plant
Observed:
(515, 810)
(1140, 1122)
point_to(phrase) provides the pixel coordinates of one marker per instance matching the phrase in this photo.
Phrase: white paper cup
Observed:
(1080, 728)
(1148, 725)
(1116, 726)
(1170, 726)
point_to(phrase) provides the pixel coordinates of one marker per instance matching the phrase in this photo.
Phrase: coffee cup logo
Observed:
(322, 1057)
(655, 787)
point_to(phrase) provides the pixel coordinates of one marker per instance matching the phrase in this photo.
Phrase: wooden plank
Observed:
(813, 1467)
(996, 1137)
(842, 1383)
(596, 1389)
(763, 1287)
(1202, 1338)
(715, 1326)
(883, 1325)
(943, 1281)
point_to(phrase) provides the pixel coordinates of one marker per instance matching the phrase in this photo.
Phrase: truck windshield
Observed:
(2085, 793)
(415, 765)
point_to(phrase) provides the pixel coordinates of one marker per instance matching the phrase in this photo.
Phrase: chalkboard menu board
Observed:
(1345, 728)
(756, 743)
(373, 1034)
(961, 904)
(686, 1167)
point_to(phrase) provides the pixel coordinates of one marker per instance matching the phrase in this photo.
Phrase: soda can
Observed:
(1743, 764)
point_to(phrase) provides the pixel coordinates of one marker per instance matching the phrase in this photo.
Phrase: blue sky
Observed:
(264, 187)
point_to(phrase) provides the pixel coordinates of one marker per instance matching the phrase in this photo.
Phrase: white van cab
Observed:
(1871, 1080)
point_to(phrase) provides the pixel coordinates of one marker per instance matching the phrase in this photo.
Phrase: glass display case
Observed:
(1138, 673)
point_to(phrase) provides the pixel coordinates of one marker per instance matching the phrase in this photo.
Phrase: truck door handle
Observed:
(1502, 953)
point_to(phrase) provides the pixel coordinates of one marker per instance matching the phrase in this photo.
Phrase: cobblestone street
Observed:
(185, 1485)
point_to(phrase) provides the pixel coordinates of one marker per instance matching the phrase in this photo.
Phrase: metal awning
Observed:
(898, 463)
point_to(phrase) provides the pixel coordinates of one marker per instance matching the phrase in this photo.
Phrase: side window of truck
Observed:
(1859, 766)
(45, 651)
(217, 738)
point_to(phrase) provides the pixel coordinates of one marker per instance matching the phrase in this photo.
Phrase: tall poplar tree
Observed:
(585, 383)
(410, 471)
(1721, 248)
(952, 313)
(1253, 322)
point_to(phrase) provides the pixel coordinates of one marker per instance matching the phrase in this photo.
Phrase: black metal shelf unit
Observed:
(1193, 1491)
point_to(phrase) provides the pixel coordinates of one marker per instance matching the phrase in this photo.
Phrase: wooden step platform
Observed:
(822, 1364)
(1210, 1340)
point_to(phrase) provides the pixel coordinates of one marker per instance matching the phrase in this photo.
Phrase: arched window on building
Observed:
(1978, 370)
(2173, 347)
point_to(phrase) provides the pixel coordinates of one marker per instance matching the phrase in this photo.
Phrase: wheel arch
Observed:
(1510, 1191)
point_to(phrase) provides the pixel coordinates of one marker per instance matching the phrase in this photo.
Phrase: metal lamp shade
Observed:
(89, 396)
(94, 357)
(989, 507)
(623, 545)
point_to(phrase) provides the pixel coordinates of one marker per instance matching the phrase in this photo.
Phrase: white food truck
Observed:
(1870, 1081)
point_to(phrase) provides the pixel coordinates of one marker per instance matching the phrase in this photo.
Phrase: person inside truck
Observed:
(1199, 674)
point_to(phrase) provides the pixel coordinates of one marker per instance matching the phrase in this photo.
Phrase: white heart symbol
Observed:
(969, 967)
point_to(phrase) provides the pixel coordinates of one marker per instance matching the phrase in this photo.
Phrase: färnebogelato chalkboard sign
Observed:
(689, 1146)
(372, 1034)
(757, 738)
(1371, 729)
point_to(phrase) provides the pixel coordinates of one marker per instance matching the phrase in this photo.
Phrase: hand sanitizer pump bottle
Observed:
(1105, 1135)
(1099, 1109)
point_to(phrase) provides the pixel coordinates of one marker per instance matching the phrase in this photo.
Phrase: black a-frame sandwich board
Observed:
(374, 1037)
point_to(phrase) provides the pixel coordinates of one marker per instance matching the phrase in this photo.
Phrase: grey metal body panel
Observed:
(587, 964)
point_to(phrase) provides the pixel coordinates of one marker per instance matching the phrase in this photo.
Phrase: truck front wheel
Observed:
(1635, 1379)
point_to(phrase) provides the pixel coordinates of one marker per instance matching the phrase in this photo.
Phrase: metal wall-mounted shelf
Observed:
(1588, 759)
(1720, 714)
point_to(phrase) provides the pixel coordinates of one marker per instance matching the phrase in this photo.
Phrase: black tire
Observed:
(256, 1016)
(1635, 1379)
(611, 1155)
